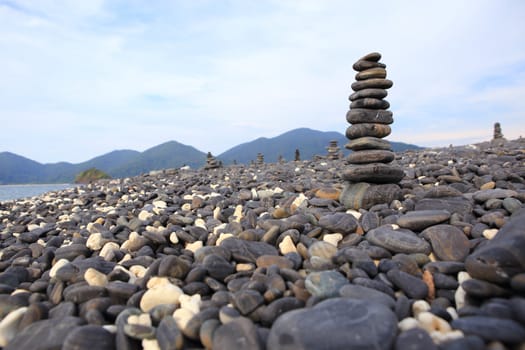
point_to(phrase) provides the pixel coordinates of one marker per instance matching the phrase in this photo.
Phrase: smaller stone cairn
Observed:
(297, 155)
(370, 178)
(211, 162)
(333, 150)
(497, 131)
(260, 159)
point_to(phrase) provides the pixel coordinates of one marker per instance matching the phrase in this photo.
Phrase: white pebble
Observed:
(354, 213)
(186, 207)
(145, 215)
(107, 251)
(143, 319)
(200, 223)
(166, 293)
(238, 213)
(431, 322)
(333, 238)
(95, 278)
(182, 317)
(138, 270)
(194, 246)
(407, 323)
(95, 241)
(287, 246)
(460, 294)
(57, 266)
(222, 237)
(420, 306)
(192, 303)
(490, 233)
(173, 238)
(150, 344)
(9, 325)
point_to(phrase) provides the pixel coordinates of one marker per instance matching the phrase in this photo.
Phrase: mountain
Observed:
(18, 169)
(168, 155)
(309, 143)
(15, 169)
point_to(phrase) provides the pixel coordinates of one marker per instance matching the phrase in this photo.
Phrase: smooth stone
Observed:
(363, 195)
(269, 260)
(483, 289)
(377, 173)
(453, 205)
(512, 204)
(121, 289)
(70, 252)
(371, 73)
(370, 156)
(207, 331)
(412, 286)
(339, 222)
(192, 328)
(502, 257)
(322, 249)
(448, 242)
(490, 329)
(421, 219)
(173, 266)
(325, 284)
(162, 294)
(328, 193)
(362, 115)
(371, 103)
(370, 220)
(10, 324)
(247, 300)
(44, 334)
(326, 325)
(240, 333)
(397, 241)
(517, 282)
(95, 278)
(89, 337)
(371, 57)
(278, 307)
(362, 65)
(368, 142)
(372, 93)
(81, 293)
(414, 339)
(485, 195)
(354, 291)
(247, 251)
(372, 84)
(218, 267)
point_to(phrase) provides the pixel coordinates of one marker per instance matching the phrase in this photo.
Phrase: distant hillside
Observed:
(168, 155)
(309, 143)
(15, 169)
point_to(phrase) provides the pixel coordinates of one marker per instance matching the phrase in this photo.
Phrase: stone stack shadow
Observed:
(370, 178)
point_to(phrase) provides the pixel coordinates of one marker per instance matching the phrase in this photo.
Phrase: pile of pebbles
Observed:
(266, 256)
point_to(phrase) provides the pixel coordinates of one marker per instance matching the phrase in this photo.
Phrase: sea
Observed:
(10, 192)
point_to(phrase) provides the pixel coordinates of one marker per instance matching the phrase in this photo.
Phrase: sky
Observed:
(79, 79)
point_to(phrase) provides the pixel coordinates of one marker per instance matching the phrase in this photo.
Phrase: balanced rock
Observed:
(371, 156)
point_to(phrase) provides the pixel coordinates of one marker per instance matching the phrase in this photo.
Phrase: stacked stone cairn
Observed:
(370, 178)
(260, 159)
(211, 162)
(333, 150)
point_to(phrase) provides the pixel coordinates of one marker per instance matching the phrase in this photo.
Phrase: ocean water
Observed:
(9, 192)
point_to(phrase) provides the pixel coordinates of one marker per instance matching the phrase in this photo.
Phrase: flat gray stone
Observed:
(338, 323)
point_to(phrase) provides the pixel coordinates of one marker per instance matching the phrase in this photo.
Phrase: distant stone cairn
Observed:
(260, 159)
(497, 131)
(370, 178)
(333, 150)
(211, 162)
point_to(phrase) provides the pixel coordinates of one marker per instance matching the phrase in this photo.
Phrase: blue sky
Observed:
(82, 78)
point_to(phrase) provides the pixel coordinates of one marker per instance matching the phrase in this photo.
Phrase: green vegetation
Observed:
(91, 175)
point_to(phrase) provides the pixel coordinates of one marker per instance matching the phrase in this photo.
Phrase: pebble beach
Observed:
(266, 257)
